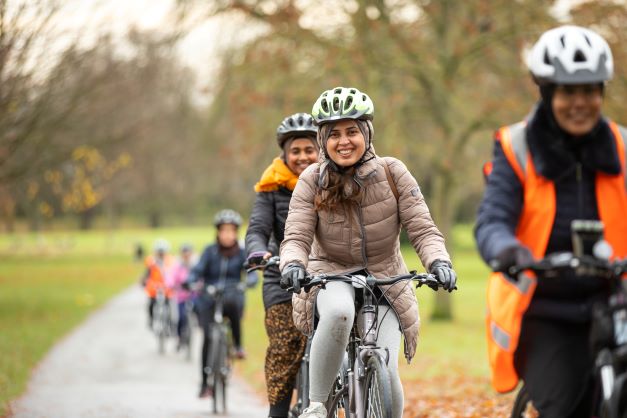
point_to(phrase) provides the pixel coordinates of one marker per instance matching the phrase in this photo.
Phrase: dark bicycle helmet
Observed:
(296, 125)
(342, 103)
(227, 216)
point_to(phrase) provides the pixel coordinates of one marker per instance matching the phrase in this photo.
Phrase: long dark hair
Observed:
(341, 189)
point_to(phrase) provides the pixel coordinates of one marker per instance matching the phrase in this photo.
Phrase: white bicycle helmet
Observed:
(162, 245)
(570, 55)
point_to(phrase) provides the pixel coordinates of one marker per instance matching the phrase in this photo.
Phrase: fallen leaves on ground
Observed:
(454, 397)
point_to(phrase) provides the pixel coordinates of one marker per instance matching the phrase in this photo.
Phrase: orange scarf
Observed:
(277, 174)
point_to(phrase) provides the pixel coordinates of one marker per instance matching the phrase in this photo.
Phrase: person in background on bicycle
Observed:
(564, 162)
(296, 137)
(158, 270)
(345, 216)
(222, 263)
(181, 295)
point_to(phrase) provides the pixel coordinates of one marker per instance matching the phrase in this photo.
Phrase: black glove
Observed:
(293, 275)
(516, 255)
(445, 274)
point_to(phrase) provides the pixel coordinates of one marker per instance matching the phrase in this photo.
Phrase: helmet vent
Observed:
(587, 40)
(349, 102)
(364, 98)
(579, 57)
(337, 91)
(353, 91)
(325, 106)
(546, 57)
(562, 41)
(336, 104)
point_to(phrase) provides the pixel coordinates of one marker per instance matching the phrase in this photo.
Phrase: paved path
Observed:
(109, 367)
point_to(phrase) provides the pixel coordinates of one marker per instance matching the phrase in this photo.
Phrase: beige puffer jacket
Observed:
(365, 238)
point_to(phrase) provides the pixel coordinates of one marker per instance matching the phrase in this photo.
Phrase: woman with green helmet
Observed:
(345, 217)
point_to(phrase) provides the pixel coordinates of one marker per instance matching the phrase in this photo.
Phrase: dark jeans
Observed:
(554, 360)
(233, 310)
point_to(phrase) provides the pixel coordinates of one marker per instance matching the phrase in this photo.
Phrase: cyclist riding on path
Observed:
(175, 282)
(158, 270)
(296, 137)
(345, 216)
(564, 162)
(222, 263)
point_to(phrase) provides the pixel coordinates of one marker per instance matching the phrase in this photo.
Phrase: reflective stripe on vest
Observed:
(508, 301)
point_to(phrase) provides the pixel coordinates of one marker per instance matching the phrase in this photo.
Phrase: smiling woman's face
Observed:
(301, 154)
(346, 144)
(577, 108)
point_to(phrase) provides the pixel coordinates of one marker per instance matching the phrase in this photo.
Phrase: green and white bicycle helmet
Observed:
(570, 55)
(227, 216)
(342, 103)
(298, 124)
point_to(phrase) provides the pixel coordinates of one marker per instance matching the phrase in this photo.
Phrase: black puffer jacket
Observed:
(571, 163)
(265, 233)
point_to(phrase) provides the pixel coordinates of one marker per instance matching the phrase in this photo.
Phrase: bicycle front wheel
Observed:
(377, 390)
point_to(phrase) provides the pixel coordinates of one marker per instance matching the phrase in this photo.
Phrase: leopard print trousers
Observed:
(285, 351)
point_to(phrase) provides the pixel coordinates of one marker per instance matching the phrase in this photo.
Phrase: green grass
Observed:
(50, 281)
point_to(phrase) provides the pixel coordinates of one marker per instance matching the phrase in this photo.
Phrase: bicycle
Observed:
(220, 355)
(609, 320)
(162, 319)
(302, 378)
(363, 388)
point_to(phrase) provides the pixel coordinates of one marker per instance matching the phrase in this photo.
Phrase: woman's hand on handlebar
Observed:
(292, 277)
(444, 273)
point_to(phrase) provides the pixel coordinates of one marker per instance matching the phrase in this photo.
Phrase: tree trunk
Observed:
(154, 218)
(443, 211)
(86, 219)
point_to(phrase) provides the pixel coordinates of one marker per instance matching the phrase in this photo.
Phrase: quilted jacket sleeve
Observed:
(415, 217)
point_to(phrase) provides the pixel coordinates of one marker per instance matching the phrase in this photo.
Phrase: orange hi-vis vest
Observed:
(508, 300)
(157, 276)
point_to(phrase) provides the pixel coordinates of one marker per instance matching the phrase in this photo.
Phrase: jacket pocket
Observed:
(331, 225)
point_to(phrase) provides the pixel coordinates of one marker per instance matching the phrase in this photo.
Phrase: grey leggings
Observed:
(336, 312)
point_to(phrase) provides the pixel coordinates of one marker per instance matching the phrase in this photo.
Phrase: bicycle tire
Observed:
(377, 390)
(522, 404)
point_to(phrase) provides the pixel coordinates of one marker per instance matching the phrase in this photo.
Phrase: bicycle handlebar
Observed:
(567, 260)
(420, 278)
(256, 262)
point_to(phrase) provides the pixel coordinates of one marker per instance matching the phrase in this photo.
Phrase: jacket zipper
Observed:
(224, 264)
(579, 191)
